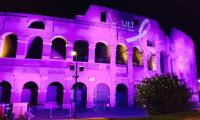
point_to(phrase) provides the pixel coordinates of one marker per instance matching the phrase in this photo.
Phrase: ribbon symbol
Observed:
(144, 27)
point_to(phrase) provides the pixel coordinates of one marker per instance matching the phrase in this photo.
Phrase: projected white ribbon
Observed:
(142, 31)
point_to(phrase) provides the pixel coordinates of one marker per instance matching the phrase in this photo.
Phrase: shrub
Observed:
(163, 94)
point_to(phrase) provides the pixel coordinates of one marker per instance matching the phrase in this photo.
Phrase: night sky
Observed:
(182, 14)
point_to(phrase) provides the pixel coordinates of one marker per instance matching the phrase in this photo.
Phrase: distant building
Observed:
(116, 49)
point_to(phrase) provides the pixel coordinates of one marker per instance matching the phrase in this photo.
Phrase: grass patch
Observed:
(176, 116)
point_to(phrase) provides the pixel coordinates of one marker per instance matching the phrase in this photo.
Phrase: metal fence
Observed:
(8, 112)
(47, 112)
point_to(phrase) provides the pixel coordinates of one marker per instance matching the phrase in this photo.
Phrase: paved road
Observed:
(59, 114)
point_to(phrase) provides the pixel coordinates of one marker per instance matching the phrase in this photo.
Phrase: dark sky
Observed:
(182, 14)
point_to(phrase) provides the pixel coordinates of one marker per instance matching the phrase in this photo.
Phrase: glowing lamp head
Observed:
(73, 53)
(199, 80)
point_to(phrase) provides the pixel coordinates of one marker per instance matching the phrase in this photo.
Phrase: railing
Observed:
(8, 112)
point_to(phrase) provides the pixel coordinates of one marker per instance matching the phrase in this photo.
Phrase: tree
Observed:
(164, 94)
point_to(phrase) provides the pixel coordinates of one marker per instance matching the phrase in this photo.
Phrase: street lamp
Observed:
(74, 54)
(81, 68)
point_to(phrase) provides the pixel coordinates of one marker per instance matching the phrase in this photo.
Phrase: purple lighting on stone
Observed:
(106, 68)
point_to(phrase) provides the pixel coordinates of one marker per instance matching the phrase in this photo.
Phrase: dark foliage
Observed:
(163, 94)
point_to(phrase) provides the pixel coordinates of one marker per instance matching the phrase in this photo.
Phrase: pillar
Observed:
(91, 58)
(112, 95)
(130, 63)
(69, 49)
(15, 95)
(112, 75)
(131, 95)
(46, 50)
(90, 97)
(21, 48)
(66, 96)
(41, 97)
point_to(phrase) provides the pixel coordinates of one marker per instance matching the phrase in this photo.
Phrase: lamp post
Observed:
(74, 54)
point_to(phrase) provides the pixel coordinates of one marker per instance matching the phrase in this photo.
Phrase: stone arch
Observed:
(36, 24)
(121, 96)
(121, 54)
(137, 58)
(151, 42)
(101, 96)
(58, 48)
(9, 48)
(30, 93)
(82, 49)
(80, 90)
(35, 48)
(54, 95)
(151, 61)
(5, 92)
(102, 54)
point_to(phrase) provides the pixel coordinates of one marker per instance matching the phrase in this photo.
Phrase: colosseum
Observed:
(115, 50)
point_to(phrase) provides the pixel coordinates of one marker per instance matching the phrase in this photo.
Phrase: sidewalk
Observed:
(44, 114)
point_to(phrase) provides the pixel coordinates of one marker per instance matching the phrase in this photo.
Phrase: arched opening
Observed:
(150, 43)
(121, 96)
(102, 54)
(151, 62)
(137, 57)
(5, 92)
(37, 25)
(81, 95)
(101, 96)
(30, 93)
(55, 93)
(81, 48)
(35, 48)
(162, 63)
(121, 55)
(58, 49)
(10, 46)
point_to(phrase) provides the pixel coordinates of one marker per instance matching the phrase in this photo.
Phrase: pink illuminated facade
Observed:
(116, 49)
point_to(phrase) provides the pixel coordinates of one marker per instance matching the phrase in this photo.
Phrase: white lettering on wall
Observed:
(127, 24)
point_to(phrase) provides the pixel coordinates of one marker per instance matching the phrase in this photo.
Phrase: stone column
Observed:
(113, 55)
(16, 89)
(112, 95)
(46, 50)
(69, 49)
(158, 62)
(42, 89)
(131, 93)
(130, 63)
(66, 96)
(130, 79)
(16, 95)
(41, 97)
(21, 49)
(90, 97)
(112, 75)
(91, 58)
(145, 61)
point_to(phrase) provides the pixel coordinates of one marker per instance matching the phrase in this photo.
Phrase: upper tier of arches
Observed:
(34, 50)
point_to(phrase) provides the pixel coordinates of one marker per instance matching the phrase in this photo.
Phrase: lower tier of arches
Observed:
(100, 97)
